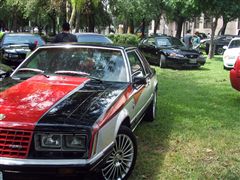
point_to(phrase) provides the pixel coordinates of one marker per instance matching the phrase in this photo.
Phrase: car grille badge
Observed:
(2, 116)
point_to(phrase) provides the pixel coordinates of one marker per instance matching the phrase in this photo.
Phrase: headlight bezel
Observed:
(62, 147)
(176, 55)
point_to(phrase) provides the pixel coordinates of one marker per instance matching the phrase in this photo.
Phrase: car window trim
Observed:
(144, 70)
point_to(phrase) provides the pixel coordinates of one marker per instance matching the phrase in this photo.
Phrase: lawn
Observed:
(197, 131)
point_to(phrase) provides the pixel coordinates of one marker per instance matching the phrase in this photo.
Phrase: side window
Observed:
(146, 64)
(151, 41)
(144, 41)
(135, 64)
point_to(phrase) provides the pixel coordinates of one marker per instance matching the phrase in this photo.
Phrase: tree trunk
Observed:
(143, 28)
(125, 25)
(179, 28)
(157, 23)
(14, 22)
(54, 25)
(91, 23)
(77, 24)
(131, 27)
(72, 18)
(68, 8)
(223, 28)
(213, 29)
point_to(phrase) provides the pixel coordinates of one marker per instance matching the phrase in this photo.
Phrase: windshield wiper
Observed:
(34, 70)
(80, 73)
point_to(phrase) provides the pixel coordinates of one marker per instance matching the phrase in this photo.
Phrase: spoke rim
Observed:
(120, 161)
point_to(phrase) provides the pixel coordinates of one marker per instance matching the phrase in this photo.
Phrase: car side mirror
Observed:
(5, 74)
(32, 46)
(152, 44)
(5, 71)
(137, 81)
(225, 47)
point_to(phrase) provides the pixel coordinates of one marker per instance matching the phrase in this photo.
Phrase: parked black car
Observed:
(15, 46)
(169, 51)
(219, 42)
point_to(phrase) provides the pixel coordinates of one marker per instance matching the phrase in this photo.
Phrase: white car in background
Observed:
(231, 53)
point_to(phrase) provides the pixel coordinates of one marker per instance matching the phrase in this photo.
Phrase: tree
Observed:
(229, 13)
(133, 12)
(85, 8)
(181, 11)
(156, 9)
(214, 9)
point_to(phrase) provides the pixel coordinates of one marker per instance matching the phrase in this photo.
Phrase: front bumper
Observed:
(229, 63)
(186, 62)
(28, 168)
(235, 79)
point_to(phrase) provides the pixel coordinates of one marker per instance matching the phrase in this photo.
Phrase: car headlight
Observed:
(51, 141)
(8, 55)
(229, 57)
(60, 142)
(74, 142)
(175, 55)
(12, 55)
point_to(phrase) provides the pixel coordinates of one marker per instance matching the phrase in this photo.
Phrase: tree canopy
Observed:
(94, 15)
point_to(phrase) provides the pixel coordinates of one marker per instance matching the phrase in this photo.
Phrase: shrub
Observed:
(124, 39)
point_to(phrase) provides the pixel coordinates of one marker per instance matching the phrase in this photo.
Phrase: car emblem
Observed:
(2, 116)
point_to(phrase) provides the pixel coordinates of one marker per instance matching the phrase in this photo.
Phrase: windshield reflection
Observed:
(104, 64)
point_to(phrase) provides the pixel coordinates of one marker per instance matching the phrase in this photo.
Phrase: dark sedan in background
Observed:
(15, 46)
(219, 42)
(167, 51)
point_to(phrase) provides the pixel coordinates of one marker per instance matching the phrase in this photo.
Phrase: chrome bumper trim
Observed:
(52, 162)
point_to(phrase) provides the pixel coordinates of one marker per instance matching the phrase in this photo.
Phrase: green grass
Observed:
(197, 131)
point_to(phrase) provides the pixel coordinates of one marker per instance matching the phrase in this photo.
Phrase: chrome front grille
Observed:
(14, 143)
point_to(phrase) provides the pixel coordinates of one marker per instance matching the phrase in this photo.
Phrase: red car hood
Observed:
(22, 105)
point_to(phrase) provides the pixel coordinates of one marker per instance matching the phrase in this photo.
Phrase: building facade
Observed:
(200, 24)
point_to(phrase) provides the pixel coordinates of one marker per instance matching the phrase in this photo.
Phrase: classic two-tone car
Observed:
(73, 108)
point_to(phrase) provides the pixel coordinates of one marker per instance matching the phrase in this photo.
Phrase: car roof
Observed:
(95, 34)
(78, 44)
(21, 34)
(236, 38)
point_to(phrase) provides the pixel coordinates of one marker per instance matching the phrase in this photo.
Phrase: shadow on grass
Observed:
(217, 58)
(189, 109)
(202, 68)
(153, 141)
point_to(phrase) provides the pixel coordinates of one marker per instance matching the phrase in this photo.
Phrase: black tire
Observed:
(219, 51)
(162, 61)
(151, 112)
(120, 163)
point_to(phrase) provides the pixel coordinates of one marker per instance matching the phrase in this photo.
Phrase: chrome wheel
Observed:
(122, 159)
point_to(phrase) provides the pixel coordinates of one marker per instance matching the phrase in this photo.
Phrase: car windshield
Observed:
(93, 38)
(169, 42)
(101, 64)
(22, 39)
(234, 44)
